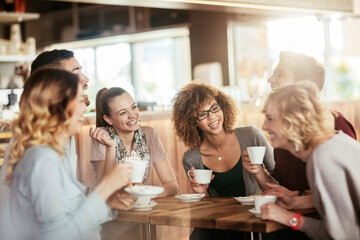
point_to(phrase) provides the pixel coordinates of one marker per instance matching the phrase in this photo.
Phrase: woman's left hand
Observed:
(251, 168)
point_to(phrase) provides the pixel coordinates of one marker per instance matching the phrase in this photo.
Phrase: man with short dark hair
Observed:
(63, 59)
(294, 67)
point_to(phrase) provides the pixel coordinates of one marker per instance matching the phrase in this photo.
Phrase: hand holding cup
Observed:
(121, 200)
(199, 179)
(256, 154)
(250, 167)
(120, 175)
(262, 199)
(202, 176)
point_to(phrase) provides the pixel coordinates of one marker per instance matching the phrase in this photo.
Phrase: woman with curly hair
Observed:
(299, 122)
(45, 200)
(203, 118)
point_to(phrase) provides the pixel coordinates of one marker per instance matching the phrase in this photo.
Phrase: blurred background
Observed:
(153, 48)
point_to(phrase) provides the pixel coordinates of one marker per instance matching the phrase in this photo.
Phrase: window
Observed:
(154, 68)
(151, 66)
(344, 59)
(251, 62)
(333, 42)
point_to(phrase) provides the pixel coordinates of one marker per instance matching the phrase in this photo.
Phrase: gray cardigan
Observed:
(333, 174)
(247, 136)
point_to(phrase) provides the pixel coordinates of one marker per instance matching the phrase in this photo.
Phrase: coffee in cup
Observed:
(262, 199)
(256, 154)
(202, 176)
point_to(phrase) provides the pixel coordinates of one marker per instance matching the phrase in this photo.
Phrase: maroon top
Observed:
(290, 171)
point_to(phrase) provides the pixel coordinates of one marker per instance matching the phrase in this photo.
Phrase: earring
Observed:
(297, 147)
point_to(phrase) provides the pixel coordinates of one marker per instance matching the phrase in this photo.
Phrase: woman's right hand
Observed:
(198, 188)
(117, 178)
(251, 168)
(120, 175)
(101, 136)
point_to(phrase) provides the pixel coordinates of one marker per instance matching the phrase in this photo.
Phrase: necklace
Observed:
(219, 158)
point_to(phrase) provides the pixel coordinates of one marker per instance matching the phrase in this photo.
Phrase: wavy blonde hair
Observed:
(43, 115)
(187, 104)
(303, 117)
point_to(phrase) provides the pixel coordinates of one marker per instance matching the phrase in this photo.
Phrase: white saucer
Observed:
(144, 191)
(190, 197)
(245, 200)
(256, 213)
(144, 207)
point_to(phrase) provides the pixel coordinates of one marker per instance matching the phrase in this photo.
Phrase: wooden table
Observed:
(211, 212)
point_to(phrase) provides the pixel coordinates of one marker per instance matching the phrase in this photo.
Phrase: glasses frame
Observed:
(208, 112)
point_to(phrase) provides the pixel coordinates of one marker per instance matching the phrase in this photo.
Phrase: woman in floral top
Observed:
(118, 135)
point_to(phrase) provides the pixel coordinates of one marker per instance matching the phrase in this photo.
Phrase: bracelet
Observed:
(295, 221)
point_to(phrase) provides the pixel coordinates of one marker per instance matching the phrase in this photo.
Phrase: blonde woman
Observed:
(297, 121)
(293, 68)
(45, 200)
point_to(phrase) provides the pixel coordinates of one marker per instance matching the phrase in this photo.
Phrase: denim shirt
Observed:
(47, 202)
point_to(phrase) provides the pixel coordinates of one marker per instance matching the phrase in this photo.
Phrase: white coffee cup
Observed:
(203, 176)
(262, 199)
(141, 201)
(139, 167)
(256, 154)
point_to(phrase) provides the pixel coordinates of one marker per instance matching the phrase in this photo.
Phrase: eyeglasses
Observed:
(205, 114)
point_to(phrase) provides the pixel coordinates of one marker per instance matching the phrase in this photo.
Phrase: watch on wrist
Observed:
(295, 221)
(302, 193)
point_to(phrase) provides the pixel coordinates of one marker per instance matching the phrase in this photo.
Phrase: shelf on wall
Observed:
(18, 17)
(17, 58)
